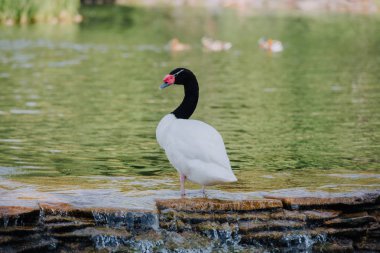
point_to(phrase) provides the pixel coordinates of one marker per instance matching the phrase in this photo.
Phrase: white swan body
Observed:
(195, 149)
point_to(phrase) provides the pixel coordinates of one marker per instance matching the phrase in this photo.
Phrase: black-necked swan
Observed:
(195, 149)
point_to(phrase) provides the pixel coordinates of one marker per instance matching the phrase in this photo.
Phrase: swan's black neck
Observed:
(189, 103)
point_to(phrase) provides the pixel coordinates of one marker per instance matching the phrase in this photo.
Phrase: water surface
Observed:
(79, 104)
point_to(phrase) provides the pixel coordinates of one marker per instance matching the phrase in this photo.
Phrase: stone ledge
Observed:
(307, 202)
(280, 237)
(270, 223)
(216, 205)
(319, 215)
(10, 211)
(16, 215)
(90, 232)
(275, 225)
(350, 222)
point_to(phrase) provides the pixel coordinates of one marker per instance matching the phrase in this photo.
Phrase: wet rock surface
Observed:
(357, 202)
(276, 223)
(216, 205)
(14, 215)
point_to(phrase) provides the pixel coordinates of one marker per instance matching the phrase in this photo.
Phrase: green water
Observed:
(79, 105)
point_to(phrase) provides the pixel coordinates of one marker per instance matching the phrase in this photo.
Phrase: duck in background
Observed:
(215, 45)
(271, 45)
(175, 45)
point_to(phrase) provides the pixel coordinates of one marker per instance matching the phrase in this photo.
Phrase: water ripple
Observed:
(24, 111)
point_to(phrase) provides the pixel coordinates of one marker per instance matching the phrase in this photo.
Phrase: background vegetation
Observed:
(39, 11)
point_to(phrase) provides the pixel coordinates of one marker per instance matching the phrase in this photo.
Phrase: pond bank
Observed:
(275, 222)
(305, 6)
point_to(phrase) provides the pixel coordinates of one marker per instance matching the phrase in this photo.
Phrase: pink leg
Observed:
(182, 179)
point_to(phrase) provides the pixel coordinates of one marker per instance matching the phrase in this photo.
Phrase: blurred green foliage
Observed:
(36, 11)
(110, 17)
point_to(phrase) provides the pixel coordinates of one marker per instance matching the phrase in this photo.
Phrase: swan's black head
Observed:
(178, 76)
(186, 78)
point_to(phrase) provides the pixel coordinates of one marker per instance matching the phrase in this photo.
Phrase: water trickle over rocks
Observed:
(276, 223)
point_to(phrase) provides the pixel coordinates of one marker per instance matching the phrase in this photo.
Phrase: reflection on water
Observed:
(79, 105)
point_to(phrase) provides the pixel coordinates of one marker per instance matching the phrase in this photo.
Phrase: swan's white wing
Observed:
(200, 141)
(197, 150)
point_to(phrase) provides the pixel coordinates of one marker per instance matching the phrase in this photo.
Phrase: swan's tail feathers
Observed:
(230, 178)
(211, 174)
(218, 180)
(226, 176)
(233, 179)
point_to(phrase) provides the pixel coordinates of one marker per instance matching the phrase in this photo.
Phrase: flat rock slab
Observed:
(306, 202)
(216, 205)
(13, 211)
(64, 214)
(350, 222)
(64, 209)
(315, 215)
(275, 225)
(15, 215)
(91, 232)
